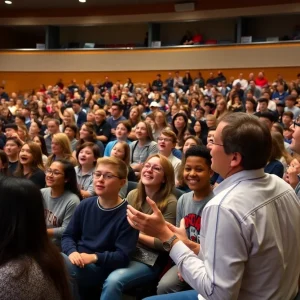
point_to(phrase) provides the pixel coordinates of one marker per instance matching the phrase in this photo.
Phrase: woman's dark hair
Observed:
(94, 147)
(4, 160)
(70, 177)
(180, 135)
(43, 145)
(200, 151)
(24, 234)
(246, 135)
(37, 162)
(21, 117)
(39, 124)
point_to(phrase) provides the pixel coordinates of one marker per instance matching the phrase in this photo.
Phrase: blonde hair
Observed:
(25, 132)
(64, 142)
(71, 113)
(119, 165)
(167, 185)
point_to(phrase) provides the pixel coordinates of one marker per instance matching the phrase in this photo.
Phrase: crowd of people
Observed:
(128, 174)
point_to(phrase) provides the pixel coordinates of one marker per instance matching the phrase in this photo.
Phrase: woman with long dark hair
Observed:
(61, 197)
(30, 265)
(87, 134)
(31, 165)
(180, 126)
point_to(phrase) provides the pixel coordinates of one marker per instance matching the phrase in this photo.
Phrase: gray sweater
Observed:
(30, 286)
(58, 211)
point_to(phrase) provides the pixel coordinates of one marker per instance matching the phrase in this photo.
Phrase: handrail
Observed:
(200, 46)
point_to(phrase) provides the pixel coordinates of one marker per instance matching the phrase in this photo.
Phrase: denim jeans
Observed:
(89, 276)
(186, 295)
(170, 283)
(135, 274)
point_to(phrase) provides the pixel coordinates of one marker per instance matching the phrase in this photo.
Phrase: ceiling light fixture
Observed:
(82, 1)
(8, 2)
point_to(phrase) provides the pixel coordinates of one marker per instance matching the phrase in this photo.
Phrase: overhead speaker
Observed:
(183, 7)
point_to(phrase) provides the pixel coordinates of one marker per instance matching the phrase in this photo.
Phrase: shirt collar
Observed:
(87, 174)
(239, 176)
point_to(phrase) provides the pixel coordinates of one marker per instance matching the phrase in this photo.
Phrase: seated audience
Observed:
(61, 197)
(98, 239)
(30, 266)
(156, 183)
(247, 200)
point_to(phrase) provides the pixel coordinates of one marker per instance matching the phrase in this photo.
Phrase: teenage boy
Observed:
(98, 238)
(290, 105)
(197, 173)
(71, 132)
(12, 148)
(166, 143)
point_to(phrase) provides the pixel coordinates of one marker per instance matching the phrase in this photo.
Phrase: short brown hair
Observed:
(126, 124)
(248, 136)
(169, 133)
(288, 114)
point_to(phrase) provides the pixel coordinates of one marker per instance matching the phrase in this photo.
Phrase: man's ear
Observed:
(236, 160)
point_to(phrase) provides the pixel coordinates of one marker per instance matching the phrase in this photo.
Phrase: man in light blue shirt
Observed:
(250, 231)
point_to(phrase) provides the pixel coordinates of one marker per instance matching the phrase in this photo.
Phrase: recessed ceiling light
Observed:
(82, 1)
(8, 2)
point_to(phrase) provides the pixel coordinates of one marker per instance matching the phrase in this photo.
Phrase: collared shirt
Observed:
(250, 241)
(85, 182)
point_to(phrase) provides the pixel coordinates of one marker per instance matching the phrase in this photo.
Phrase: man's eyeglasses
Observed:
(154, 168)
(212, 142)
(97, 175)
(164, 139)
(53, 172)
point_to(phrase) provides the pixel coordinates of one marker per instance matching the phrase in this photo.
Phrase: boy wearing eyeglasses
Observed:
(166, 143)
(99, 238)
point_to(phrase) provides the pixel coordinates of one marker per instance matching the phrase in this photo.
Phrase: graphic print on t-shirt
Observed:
(193, 226)
(51, 219)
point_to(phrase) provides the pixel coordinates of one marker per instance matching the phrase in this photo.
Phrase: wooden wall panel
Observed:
(25, 81)
(228, 57)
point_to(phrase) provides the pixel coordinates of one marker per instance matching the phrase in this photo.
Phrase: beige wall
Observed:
(248, 56)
